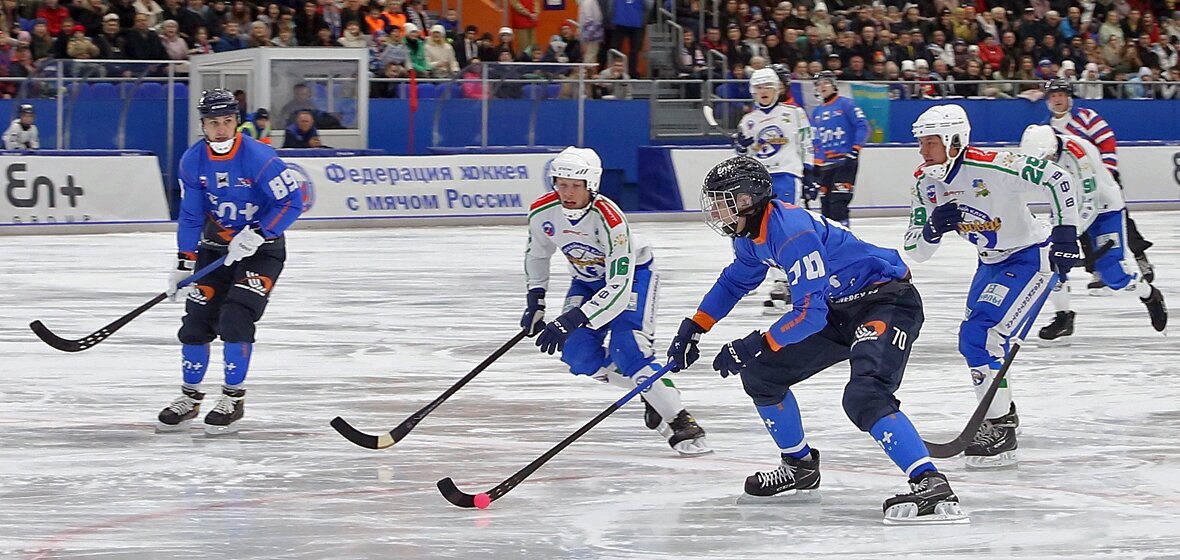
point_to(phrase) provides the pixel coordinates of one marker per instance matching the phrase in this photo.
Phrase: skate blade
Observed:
(1060, 341)
(1005, 460)
(947, 513)
(692, 448)
(214, 431)
(795, 497)
(162, 428)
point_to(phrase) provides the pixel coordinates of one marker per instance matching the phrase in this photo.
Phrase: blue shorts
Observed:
(632, 333)
(1110, 228)
(998, 303)
(784, 186)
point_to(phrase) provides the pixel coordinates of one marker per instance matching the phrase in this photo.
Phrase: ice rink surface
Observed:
(373, 324)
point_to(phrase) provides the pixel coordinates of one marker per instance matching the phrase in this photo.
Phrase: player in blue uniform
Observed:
(840, 131)
(851, 301)
(238, 198)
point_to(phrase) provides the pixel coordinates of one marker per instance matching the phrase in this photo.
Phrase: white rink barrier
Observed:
(386, 188)
(1150, 176)
(71, 194)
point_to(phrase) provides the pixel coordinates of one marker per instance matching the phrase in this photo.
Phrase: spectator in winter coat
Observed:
(143, 43)
(353, 38)
(440, 56)
(231, 39)
(53, 13)
(308, 24)
(174, 45)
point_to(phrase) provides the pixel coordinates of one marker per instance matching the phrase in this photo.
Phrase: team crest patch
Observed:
(202, 294)
(978, 376)
(980, 188)
(994, 294)
(582, 255)
(223, 179)
(548, 228)
(256, 283)
(869, 332)
(931, 194)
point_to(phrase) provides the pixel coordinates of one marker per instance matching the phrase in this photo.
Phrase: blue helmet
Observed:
(217, 102)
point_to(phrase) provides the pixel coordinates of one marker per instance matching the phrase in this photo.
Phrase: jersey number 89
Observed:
(284, 184)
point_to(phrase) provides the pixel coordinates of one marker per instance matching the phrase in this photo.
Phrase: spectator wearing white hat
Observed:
(440, 55)
(505, 39)
(1088, 86)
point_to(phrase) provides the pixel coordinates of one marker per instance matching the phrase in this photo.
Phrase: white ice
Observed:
(373, 324)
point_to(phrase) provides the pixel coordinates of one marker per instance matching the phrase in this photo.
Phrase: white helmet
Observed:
(950, 123)
(764, 77)
(1040, 141)
(577, 163)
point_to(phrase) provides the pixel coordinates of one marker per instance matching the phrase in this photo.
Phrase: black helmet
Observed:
(25, 109)
(783, 71)
(217, 103)
(1056, 85)
(738, 186)
(262, 113)
(826, 75)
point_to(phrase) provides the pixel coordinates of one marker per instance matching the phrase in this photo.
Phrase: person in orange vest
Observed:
(259, 128)
(524, 17)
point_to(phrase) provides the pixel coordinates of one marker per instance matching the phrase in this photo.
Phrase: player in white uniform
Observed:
(777, 135)
(983, 195)
(613, 292)
(22, 133)
(1103, 222)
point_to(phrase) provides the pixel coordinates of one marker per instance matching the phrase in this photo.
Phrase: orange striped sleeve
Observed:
(703, 320)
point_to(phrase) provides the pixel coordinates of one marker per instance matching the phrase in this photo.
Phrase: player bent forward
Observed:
(613, 293)
(851, 301)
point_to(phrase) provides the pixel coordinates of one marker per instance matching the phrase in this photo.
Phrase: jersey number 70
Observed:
(811, 266)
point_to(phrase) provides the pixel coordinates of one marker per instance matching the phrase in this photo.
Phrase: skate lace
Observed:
(776, 477)
(225, 405)
(989, 433)
(181, 405)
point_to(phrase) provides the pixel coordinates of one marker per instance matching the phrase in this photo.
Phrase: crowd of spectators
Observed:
(946, 48)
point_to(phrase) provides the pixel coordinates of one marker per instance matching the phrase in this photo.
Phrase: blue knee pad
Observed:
(973, 342)
(583, 351)
(626, 353)
(1108, 228)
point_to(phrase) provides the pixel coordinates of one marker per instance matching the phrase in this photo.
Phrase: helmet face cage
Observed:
(721, 211)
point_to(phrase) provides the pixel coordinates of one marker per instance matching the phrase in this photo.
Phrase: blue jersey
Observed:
(823, 261)
(248, 187)
(839, 127)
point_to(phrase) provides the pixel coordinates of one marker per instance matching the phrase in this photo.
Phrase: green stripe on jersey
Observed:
(626, 289)
(994, 167)
(544, 208)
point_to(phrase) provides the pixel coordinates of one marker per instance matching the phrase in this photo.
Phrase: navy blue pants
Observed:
(873, 330)
(228, 301)
(836, 182)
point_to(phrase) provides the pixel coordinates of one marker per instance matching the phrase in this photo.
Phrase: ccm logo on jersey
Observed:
(869, 332)
(256, 283)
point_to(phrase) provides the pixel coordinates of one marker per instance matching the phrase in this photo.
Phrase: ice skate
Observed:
(176, 416)
(1156, 309)
(779, 301)
(931, 501)
(794, 481)
(224, 417)
(686, 436)
(1058, 332)
(994, 446)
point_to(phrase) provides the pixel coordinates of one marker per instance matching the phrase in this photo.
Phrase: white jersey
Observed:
(993, 189)
(778, 137)
(1100, 192)
(17, 137)
(599, 246)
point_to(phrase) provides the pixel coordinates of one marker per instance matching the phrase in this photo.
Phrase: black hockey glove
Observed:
(552, 339)
(736, 355)
(683, 351)
(944, 218)
(533, 320)
(810, 187)
(1064, 252)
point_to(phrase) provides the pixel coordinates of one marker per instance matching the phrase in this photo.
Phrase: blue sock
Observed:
(195, 361)
(786, 427)
(900, 440)
(237, 362)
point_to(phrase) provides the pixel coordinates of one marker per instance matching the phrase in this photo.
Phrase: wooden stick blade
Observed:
(454, 495)
(360, 438)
